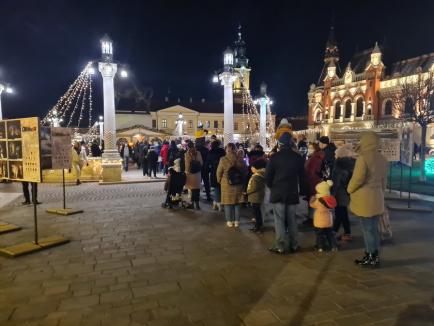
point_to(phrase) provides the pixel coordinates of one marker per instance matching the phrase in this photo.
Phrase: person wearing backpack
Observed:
(342, 172)
(193, 168)
(230, 174)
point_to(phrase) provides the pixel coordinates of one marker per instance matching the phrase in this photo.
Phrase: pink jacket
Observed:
(322, 217)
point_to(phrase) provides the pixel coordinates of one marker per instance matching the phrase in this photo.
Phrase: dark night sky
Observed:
(45, 44)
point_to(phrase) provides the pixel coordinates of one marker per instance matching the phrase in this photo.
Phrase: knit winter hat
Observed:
(345, 151)
(323, 188)
(284, 126)
(324, 140)
(285, 139)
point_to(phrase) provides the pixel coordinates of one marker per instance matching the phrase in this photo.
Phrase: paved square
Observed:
(130, 262)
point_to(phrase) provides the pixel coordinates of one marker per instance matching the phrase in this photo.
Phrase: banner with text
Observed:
(20, 152)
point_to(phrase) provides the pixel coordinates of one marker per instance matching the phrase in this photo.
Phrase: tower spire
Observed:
(331, 51)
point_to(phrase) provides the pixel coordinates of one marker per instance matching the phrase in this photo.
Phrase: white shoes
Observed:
(237, 224)
(229, 224)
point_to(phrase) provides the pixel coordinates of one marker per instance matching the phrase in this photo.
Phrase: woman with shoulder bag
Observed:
(193, 168)
(230, 174)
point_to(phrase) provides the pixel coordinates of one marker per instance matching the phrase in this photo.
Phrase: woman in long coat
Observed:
(193, 179)
(231, 195)
(366, 189)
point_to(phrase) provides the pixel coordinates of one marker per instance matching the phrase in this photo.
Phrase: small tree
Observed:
(414, 102)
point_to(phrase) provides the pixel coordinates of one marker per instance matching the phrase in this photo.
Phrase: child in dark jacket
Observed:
(323, 203)
(174, 185)
(256, 192)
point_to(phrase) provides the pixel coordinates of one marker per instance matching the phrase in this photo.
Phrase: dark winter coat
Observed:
(175, 182)
(341, 176)
(204, 153)
(254, 156)
(312, 169)
(94, 148)
(173, 154)
(152, 157)
(284, 175)
(212, 163)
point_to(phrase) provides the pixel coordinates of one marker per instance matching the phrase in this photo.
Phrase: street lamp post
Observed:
(227, 78)
(180, 125)
(101, 130)
(264, 101)
(111, 162)
(7, 89)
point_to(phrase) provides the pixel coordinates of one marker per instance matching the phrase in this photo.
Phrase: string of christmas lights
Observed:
(75, 103)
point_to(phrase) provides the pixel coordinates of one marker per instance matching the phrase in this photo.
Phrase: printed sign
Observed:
(20, 153)
(56, 148)
(389, 141)
(407, 146)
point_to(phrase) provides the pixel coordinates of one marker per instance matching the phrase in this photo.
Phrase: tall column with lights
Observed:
(111, 162)
(180, 125)
(264, 101)
(227, 78)
(7, 90)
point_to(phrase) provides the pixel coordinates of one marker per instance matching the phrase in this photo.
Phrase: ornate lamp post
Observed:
(111, 162)
(101, 129)
(264, 101)
(180, 125)
(7, 89)
(227, 78)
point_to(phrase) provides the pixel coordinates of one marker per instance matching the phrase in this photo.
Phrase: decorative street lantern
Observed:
(106, 49)
(264, 102)
(6, 89)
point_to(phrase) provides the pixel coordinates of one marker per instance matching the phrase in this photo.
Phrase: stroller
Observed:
(174, 186)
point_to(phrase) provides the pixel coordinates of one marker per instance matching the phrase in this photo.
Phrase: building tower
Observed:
(331, 57)
(241, 66)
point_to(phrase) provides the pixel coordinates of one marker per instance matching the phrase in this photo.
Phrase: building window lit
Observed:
(388, 107)
(216, 124)
(348, 109)
(359, 107)
(408, 108)
(318, 116)
(190, 123)
(154, 124)
(164, 123)
(207, 124)
(337, 110)
(235, 125)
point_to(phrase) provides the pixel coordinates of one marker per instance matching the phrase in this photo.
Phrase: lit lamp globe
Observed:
(228, 59)
(106, 49)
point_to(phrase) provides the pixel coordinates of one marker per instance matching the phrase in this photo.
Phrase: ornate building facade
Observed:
(361, 96)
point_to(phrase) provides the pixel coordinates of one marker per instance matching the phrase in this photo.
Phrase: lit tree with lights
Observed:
(414, 102)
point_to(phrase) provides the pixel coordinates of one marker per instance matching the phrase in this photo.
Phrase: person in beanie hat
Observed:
(284, 175)
(329, 157)
(323, 203)
(283, 127)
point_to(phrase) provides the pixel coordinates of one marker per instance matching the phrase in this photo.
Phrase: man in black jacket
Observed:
(329, 157)
(285, 177)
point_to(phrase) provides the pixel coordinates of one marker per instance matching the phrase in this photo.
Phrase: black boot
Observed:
(363, 260)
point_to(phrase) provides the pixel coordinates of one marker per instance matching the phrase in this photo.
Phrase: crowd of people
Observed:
(330, 180)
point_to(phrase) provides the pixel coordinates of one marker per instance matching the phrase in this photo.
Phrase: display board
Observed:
(56, 148)
(407, 146)
(20, 152)
(389, 140)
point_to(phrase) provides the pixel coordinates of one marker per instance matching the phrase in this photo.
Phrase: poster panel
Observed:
(407, 146)
(20, 150)
(389, 140)
(61, 148)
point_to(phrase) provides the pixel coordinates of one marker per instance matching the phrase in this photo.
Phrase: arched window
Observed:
(408, 108)
(318, 116)
(388, 107)
(359, 107)
(337, 110)
(348, 109)
(326, 116)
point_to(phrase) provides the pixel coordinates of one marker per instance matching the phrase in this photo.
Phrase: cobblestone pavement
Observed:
(130, 262)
